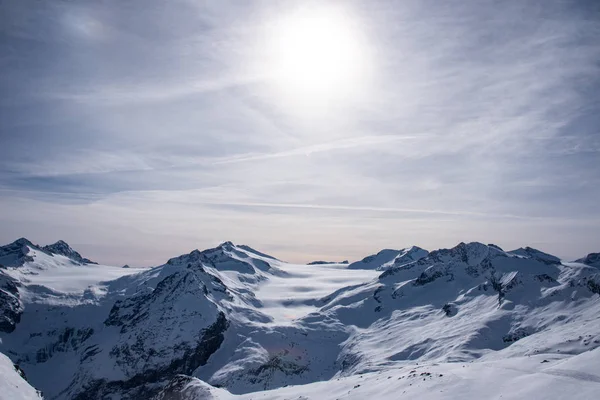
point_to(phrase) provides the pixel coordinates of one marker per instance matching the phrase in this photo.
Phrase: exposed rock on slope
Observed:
(320, 262)
(163, 329)
(592, 259)
(15, 253)
(11, 306)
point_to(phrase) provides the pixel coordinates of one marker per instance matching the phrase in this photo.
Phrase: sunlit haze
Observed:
(317, 55)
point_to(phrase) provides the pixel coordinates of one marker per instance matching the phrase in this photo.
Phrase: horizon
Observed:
(315, 130)
(136, 264)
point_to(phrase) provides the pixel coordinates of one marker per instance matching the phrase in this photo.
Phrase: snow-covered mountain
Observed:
(22, 250)
(231, 321)
(390, 258)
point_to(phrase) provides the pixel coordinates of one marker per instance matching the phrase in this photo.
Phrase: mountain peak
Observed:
(16, 253)
(62, 248)
(408, 255)
(59, 245)
(471, 253)
(413, 249)
(387, 258)
(195, 257)
(592, 259)
(225, 246)
(537, 254)
(23, 241)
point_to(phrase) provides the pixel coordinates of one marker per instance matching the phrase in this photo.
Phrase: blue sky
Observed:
(143, 129)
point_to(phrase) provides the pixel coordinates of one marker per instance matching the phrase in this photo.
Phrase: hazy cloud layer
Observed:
(141, 129)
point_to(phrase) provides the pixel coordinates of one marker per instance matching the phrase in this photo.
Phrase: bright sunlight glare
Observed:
(317, 55)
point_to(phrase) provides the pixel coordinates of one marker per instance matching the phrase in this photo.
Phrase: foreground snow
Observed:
(537, 377)
(12, 385)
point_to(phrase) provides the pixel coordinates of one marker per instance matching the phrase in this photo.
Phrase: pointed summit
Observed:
(408, 255)
(23, 242)
(62, 248)
(16, 253)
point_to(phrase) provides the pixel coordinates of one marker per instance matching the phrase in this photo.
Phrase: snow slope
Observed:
(12, 384)
(56, 267)
(232, 322)
(472, 302)
(292, 296)
(550, 377)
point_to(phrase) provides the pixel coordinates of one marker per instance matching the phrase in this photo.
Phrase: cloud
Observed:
(107, 95)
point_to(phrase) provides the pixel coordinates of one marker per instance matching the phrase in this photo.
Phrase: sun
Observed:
(316, 54)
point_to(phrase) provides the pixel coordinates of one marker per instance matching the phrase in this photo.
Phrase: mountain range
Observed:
(474, 321)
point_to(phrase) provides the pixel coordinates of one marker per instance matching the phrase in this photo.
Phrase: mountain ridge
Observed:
(16, 253)
(242, 320)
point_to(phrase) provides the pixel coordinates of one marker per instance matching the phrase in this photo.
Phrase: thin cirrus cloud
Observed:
(478, 120)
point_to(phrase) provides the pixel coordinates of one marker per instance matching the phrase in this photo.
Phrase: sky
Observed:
(140, 130)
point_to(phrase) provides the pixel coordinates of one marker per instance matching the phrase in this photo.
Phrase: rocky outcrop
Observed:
(16, 253)
(11, 306)
(67, 339)
(592, 259)
(320, 262)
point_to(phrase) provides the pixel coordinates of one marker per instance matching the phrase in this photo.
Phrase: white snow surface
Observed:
(12, 385)
(231, 322)
(548, 377)
(291, 296)
(57, 275)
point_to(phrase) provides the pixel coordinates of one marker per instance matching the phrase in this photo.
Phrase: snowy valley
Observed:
(474, 321)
